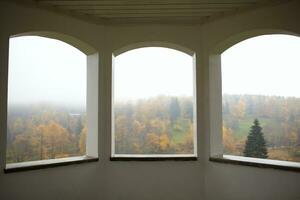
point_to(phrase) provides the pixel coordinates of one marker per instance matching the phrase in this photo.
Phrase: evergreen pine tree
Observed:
(174, 109)
(78, 126)
(255, 143)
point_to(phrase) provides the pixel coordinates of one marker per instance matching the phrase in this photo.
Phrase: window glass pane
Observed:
(153, 102)
(261, 98)
(46, 100)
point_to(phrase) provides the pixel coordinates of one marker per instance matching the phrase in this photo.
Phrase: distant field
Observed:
(245, 124)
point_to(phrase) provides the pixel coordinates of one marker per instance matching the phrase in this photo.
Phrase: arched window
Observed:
(261, 98)
(47, 100)
(154, 104)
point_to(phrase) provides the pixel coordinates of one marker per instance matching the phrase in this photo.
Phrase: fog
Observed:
(263, 65)
(43, 70)
(152, 71)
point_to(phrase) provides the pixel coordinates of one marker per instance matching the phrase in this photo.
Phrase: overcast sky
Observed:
(152, 71)
(263, 65)
(43, 70)
(51, 71)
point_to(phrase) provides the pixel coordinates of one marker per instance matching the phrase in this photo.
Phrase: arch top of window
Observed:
(153, 44)
(234, 39)
(73, 41)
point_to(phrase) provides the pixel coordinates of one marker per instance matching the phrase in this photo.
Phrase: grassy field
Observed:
(245, 124)
(284, 153)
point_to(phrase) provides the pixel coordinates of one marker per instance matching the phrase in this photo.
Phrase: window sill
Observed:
(256, 162)
(42, 164)
(125, 157)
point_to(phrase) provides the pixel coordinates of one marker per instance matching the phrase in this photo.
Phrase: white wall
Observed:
(168, 180)
(71, 182)
(233, 182)
(104, 179)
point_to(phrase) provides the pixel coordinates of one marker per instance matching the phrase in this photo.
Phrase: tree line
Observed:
(158, 125)
(44, 132)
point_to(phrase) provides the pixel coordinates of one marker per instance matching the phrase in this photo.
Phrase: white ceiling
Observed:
(137, 11)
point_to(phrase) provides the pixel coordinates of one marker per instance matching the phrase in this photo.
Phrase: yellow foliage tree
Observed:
(137, 127)
(228, 141)
(164, 142)
(82, 141)
(153, 143)
(21, 146)
(121, 133)
(54, 140)
(239, 109)
(293, 138)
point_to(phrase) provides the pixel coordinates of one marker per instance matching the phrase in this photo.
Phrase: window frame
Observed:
(92, 97)
(216, 153)
(154, 157)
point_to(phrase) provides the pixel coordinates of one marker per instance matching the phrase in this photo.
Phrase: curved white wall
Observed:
(233, 182)
(168, 180)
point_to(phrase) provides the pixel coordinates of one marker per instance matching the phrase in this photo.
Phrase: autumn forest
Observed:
(45, 132)
(158, 125)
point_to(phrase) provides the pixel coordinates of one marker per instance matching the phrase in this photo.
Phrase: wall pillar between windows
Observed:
(4, 50)
(92, 104)
(105, 104)
(215, 105)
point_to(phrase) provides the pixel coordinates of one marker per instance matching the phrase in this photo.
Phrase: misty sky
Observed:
(43, 70)
(263, 65)
(152, 71)
(50, 71)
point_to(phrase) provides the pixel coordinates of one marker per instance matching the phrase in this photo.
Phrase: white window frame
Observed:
(216, 151)
(163, 156)
(92, 101)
